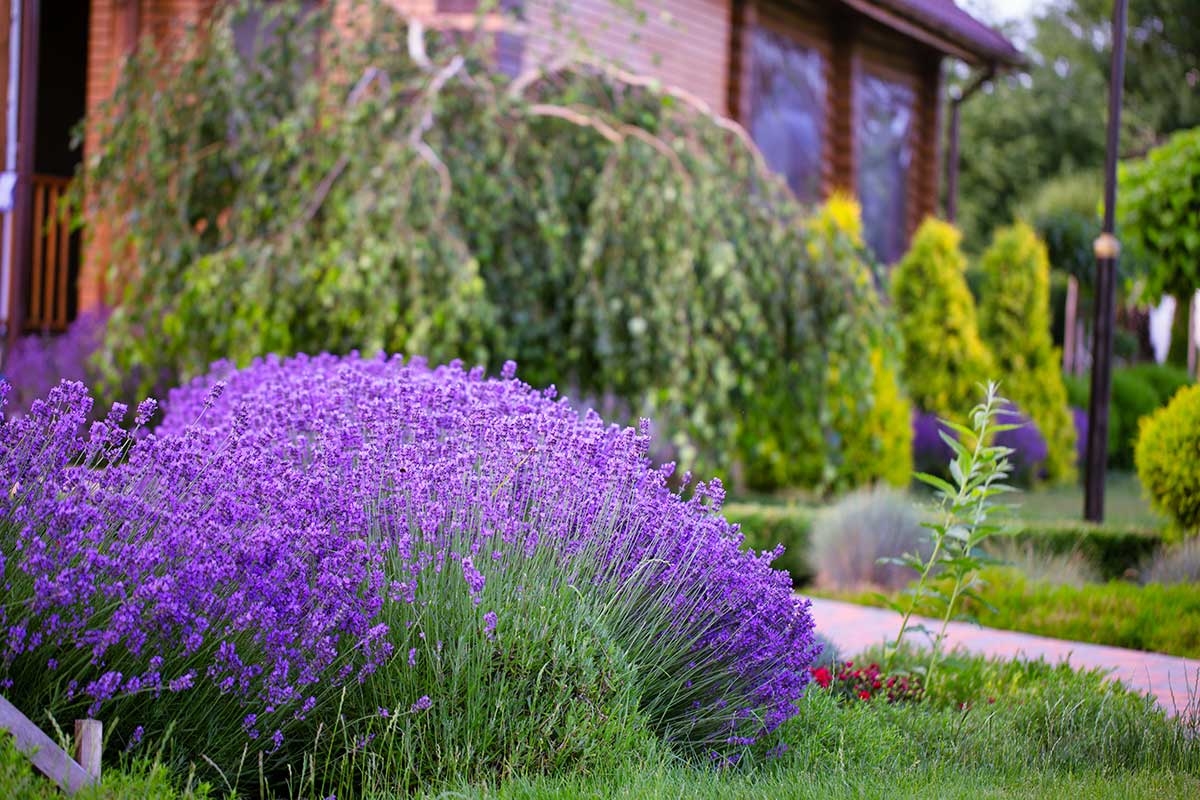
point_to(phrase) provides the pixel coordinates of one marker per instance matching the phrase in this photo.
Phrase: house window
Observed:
(884, 118)
(787, 101)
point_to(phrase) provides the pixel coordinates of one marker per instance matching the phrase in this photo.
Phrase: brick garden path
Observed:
(1170, 679)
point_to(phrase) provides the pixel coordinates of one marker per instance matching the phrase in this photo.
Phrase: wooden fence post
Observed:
(89, 741)
(48, 757)
(1193, 314)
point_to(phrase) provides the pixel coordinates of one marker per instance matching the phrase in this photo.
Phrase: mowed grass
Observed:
(1124, 503)
(1051, 732)
(919, 781)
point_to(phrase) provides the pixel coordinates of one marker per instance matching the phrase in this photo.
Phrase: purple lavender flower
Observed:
(423, 704)
(474, 577)
(490, 620)
(145, 411)
(135, 738)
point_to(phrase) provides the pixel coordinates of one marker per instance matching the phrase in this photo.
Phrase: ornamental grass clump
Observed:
(856, 542)
(346, 573)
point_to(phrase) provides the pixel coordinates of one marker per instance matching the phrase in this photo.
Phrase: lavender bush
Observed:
(364, 570)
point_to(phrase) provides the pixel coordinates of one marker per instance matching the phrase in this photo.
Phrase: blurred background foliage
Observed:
(616, 239)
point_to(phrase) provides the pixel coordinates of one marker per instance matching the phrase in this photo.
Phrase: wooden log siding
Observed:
(684, 43)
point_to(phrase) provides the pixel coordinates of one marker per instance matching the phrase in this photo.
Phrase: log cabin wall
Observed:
(684, 43)
(115, 27)
(862, 61)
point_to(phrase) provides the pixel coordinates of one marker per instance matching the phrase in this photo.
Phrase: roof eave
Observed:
(945, 41)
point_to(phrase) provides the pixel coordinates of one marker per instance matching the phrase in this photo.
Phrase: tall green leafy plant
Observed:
(967, 508)
(1014, 319)
(615, 238)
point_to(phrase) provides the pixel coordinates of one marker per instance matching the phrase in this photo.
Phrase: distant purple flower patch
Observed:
(930, 452)
(1028, 444)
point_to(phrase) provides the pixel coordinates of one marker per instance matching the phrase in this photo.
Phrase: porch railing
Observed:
(52, 257)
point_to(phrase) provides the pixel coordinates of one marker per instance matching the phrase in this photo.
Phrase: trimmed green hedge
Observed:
(1112, 550)
(1137, 391)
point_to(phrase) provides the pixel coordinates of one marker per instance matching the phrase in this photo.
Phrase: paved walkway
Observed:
(1174, 681)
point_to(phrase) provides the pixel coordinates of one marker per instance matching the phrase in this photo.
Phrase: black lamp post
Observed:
(1107, 249)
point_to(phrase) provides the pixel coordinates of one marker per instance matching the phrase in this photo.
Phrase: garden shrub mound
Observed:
(1112, 550)
(620, 240)
(1137, 392)
(1168, 459)
(856, 541)
(371, 572)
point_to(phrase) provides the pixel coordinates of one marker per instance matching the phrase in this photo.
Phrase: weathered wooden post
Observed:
(89, 741)
(1070, 354)
(1193, 321)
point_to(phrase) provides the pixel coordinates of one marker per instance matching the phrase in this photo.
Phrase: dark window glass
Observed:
(884, 117)
(787, 109)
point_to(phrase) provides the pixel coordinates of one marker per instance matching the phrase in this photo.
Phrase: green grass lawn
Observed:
(1124, 503)
(841, 780)
(1051, 732)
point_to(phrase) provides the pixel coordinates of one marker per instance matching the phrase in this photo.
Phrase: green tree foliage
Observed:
(613, 238)
(945, 360)
(1047, 120)
(1014, 319)
(1160, 209)
(1065, 212)
(1168, 459)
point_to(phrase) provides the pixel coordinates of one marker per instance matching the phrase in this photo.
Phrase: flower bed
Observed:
(371, 563)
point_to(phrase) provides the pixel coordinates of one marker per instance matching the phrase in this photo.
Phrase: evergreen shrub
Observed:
(1014, 320)
(1168, 459)
(945, 360)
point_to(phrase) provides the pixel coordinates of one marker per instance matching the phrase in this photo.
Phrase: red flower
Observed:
(864, 695)
(823, 677)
